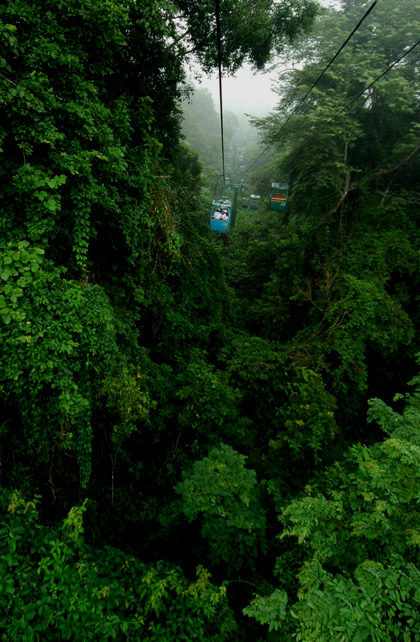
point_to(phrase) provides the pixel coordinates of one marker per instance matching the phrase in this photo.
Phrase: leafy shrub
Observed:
(54, 587)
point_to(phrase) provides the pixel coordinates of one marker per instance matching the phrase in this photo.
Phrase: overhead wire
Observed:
(219, 60)
(316, 82)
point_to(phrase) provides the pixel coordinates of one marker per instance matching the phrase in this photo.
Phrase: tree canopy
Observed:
(192, 428)
(250, 31)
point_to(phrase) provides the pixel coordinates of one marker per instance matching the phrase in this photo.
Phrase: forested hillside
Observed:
(201, 128)
(208, 436)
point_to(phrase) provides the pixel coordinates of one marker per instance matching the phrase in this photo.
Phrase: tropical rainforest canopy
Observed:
(203, 436)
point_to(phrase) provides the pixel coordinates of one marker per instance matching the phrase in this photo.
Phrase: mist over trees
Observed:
(206, 436)
(201, 129)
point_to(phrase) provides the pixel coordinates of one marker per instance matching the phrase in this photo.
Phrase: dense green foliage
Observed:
(225, 493)
(178, 406)
(358, 526)
(89, 594)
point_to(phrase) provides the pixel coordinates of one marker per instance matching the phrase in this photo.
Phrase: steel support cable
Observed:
(316, 82)
(219, 60)
(340, 111)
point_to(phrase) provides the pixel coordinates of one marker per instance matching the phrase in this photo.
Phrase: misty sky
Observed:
(245, 93)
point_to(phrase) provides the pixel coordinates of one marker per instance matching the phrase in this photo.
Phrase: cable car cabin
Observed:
(254, 201)
(278, 196)
(220, 214)
(245, 202)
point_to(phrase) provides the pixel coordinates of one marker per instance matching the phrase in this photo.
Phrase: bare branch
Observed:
(388, 187)
(347, 187)
(405, 160)
(382, 172)
(180, 37)
(185, 52)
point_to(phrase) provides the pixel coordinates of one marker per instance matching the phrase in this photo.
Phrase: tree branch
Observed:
(347, 187)
(382, 172)
(405, 160)
(185, 52)
(178, 40)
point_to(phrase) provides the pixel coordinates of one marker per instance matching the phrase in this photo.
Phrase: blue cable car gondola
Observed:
(254, 201)
(245, 201)
(278, 196)
(220, 214)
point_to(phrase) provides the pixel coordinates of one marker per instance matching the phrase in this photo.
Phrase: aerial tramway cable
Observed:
(219, 60)
(221, 208)
(316, 82)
